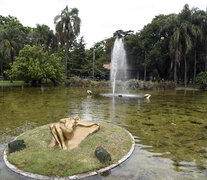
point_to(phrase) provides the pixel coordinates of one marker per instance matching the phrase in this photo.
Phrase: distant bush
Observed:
(73, 81)
(132, 84)
(138, 84)
(148, 85)
(78, 82)
(165, 85)
(201, 80)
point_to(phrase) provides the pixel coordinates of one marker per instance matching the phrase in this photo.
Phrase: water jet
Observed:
(118, 64)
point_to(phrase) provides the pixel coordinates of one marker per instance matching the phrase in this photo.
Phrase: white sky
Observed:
(100, 18)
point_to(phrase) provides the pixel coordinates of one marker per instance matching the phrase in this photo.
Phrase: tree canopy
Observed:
(33, 65)
(171, 47)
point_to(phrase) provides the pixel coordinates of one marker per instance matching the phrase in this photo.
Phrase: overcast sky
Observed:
(100, 18)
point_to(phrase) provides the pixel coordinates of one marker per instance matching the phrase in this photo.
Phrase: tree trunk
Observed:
(185, 73)
(206, 55)
(175, 74)
(194, 71)
(54, 82)
(1, 68)
(145, 71)
(67, 58)
(206, 62)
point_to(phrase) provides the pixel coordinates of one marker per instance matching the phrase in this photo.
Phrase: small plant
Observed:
(201, 80)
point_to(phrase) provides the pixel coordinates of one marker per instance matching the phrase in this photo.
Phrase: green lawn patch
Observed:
(38, 158)
(14, 83)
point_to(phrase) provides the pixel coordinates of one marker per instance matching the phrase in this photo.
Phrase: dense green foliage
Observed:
(33, 64)
(170, 41)
(172, 47)
(201, 80)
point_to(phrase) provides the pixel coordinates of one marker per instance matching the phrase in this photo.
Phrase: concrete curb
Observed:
(77, 176)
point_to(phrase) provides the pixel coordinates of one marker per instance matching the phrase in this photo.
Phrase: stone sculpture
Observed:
(70, 132)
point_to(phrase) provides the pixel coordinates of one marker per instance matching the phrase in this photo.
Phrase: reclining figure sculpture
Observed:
(70, 132)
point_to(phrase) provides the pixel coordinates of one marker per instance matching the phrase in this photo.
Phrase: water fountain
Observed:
(118, 64)
(119, 71)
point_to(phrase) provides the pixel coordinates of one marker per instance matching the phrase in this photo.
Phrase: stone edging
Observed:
(78, 176)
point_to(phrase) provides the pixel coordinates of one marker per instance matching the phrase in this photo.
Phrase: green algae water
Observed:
(170, 129)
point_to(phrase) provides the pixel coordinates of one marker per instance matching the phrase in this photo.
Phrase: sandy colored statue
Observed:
(70, 132)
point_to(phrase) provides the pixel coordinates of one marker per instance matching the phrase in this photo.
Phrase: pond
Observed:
(170, 129)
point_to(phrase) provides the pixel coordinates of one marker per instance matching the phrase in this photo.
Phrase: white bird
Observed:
(147, 96)
(89, 92)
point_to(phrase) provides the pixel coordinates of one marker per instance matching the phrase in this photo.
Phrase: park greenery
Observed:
(171, 47)
(33, 64)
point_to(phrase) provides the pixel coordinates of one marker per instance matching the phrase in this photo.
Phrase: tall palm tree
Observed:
(172, 31)
(182, 32)
(204, 28)
(188, 32)
(197, 20)
(67, 28)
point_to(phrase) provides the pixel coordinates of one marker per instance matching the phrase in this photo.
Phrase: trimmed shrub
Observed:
(201, 80)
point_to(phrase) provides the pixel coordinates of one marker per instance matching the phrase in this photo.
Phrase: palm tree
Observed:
(11, 41)
(204, 28)
(43, 36)
(182, 32)
(67, 28)
(172, 31)
(197, 20)
(187, 31)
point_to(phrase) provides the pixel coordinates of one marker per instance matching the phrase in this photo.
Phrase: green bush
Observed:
(132, 84)
(148, 85)
(73, 81)
(34, 65)
(78, 82)
(201, 80)
(165, 85)
(138, 84)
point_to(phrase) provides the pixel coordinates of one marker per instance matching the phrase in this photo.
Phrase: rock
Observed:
(102, 155)
(16, 145)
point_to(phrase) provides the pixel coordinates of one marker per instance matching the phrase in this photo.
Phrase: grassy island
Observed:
(38, 158)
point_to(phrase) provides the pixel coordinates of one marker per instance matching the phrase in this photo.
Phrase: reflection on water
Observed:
(170, 129)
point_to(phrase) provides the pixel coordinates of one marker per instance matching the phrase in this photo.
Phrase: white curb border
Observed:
(77, 176)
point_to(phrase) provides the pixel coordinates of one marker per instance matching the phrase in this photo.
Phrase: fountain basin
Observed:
(124, 95)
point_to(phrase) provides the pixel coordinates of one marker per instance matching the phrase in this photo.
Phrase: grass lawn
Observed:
(8, 83)
(38, 158)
